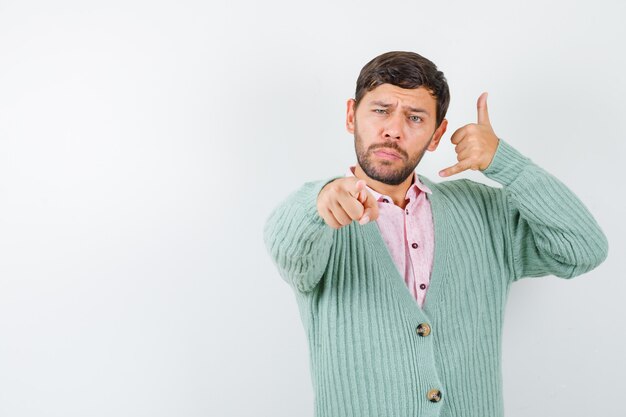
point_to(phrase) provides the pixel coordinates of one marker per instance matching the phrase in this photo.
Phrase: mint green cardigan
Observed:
(367, 358)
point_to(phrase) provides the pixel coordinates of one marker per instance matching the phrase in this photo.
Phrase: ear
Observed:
(350, 110)
(438, 135)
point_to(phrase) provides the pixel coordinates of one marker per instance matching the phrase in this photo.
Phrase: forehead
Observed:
(415, 97)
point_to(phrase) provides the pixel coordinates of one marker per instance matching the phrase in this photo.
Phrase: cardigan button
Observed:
(423, 329)
(434, 395)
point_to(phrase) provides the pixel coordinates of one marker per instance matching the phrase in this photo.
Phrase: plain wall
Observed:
(144, 143)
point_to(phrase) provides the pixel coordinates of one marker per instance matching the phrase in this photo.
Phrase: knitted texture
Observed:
(367, 358)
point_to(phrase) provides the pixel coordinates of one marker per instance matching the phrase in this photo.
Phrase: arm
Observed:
(299, 233)
(549, 229)
(298, 239)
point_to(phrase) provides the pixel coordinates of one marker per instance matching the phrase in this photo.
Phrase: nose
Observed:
(393, 127)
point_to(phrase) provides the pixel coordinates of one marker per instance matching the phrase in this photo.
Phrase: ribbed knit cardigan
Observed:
(366, 356)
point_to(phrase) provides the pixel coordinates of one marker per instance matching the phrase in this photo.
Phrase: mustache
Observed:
(389, 145)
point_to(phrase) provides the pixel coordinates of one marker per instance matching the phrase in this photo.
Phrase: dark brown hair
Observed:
(405, 70)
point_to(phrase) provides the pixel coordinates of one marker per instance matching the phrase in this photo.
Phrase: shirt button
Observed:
(423, 286)
(423, 329)
(414, 245)
(407, 211)
(434, 395)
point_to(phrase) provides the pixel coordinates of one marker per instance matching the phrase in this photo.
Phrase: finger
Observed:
(458, 135)
(330, 219)
(362, 195)
(483, 114)
(465, 156)
(369, 215)
(350, 205)
(462, 147)
(365, 219)
(454, 169)
(355, 191)
(370, 212)
(340, 215)
(360, 191)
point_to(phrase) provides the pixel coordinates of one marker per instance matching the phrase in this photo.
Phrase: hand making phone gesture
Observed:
(476, 143)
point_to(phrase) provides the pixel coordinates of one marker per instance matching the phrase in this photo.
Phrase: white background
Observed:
(144, 143)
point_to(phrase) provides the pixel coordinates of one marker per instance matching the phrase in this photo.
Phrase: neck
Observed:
(396, 192)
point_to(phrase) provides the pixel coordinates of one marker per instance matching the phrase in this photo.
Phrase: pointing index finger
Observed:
(360, 190)
(370, 206)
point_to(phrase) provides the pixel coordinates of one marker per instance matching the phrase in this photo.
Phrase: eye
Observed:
(415, 118)
(379, 111)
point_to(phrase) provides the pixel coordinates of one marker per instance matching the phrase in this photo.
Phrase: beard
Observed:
(386, 171)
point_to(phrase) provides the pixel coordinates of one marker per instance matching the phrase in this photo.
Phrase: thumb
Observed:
(481, 106)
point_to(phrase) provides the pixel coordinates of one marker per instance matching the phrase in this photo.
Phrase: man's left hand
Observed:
(476, 143)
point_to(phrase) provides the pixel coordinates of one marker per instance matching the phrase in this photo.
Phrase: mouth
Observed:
(386, 154)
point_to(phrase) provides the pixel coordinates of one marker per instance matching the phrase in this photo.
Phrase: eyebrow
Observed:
(412, 109)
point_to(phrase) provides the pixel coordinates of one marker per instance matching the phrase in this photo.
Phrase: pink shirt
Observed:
(409, 235)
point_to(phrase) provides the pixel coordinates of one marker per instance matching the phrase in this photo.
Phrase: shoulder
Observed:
(465, 201)
(462, 190)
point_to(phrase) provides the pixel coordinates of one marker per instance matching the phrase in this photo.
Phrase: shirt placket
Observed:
(413, 245)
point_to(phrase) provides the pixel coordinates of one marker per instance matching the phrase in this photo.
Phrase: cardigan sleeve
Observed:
(549, 229)
(297, 238)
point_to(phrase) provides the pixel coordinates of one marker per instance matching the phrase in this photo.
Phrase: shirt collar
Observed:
(414, 189)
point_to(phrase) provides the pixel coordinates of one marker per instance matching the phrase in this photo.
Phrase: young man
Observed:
(401, 282)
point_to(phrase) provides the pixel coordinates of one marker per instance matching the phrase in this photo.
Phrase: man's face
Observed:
(392, 128)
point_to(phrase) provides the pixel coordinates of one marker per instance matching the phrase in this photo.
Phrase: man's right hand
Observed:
(344, 200)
